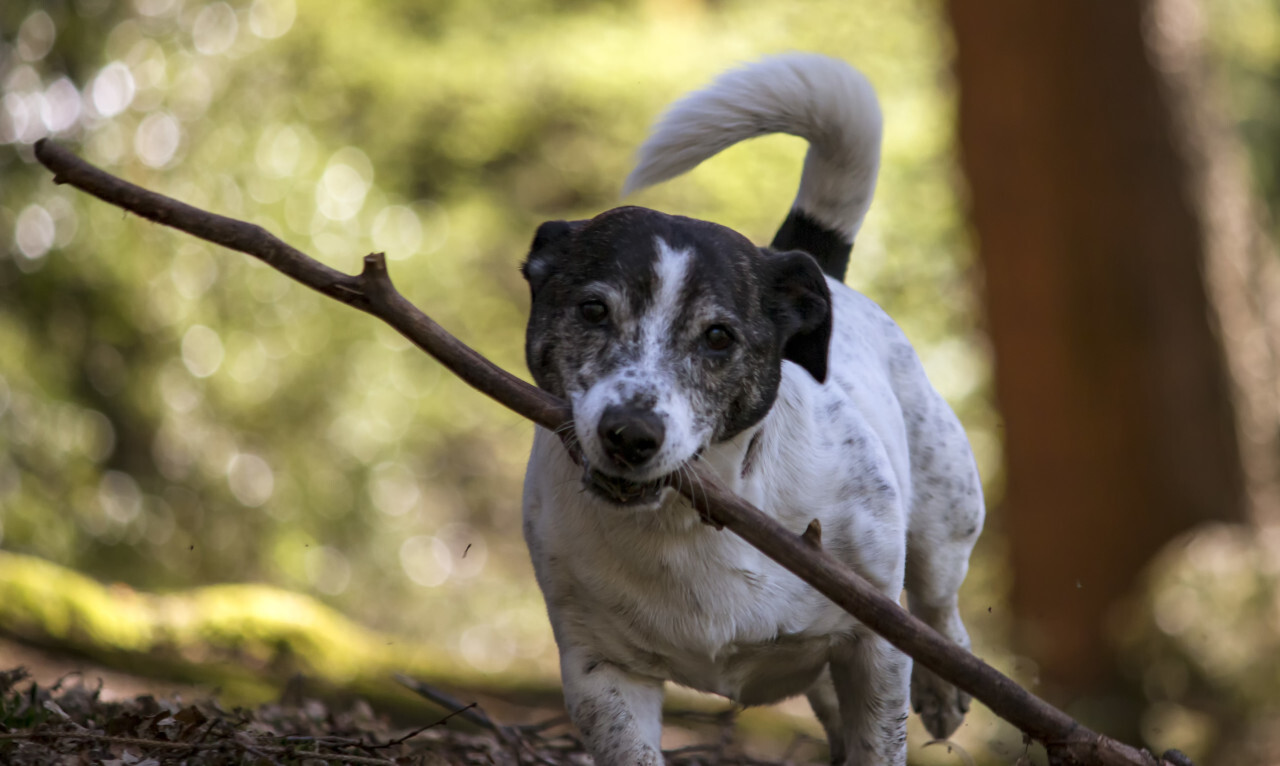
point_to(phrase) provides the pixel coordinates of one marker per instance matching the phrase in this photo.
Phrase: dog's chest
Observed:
(693, 605)
(712, 622)
(750, 672)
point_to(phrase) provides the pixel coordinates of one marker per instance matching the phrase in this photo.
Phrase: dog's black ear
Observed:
(797, 299)
(548, 242)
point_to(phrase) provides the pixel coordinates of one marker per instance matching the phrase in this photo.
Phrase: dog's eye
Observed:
(718, 337)
(594, 312)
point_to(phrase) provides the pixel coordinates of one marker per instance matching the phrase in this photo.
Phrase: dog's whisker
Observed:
(696, 485)
(684, 473)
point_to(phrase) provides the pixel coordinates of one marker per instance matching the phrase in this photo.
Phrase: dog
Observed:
(676, 341)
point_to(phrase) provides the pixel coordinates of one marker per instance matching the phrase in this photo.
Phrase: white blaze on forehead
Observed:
(672, 271)
(648, 375)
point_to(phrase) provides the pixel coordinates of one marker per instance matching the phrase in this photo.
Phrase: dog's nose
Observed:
(630, 435)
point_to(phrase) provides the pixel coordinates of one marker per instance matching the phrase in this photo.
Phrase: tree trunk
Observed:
(1132, 364)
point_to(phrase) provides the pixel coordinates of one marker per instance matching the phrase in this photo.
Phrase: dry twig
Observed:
(1067, 741)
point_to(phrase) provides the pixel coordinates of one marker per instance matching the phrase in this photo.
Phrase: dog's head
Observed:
(667, 335)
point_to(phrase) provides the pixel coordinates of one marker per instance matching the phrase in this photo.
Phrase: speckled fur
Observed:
(821, 410)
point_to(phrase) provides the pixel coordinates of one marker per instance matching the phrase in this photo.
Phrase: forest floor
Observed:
(56, 709)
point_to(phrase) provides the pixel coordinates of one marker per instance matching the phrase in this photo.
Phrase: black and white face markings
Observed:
(667, 334)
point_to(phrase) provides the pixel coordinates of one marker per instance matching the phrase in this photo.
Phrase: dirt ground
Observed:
(46, 668)
(57, 709)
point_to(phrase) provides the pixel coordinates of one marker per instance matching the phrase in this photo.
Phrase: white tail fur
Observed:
(822, 100)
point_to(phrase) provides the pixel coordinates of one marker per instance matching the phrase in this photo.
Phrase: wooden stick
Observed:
(1067, 741)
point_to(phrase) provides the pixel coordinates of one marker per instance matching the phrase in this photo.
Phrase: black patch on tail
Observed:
(802, 232)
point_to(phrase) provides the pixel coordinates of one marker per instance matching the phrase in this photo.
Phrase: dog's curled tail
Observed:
(824, 101)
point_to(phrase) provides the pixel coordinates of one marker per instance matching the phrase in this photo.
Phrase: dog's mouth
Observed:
(624, 492)
(627, 493)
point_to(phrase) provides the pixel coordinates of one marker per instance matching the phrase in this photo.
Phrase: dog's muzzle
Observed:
(629, 436)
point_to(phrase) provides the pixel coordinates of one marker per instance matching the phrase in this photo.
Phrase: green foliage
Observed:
(248, 640)
(173, 415)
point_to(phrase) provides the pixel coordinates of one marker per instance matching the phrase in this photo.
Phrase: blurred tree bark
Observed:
(1127, 286)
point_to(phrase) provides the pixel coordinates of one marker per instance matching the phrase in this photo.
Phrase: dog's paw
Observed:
(941, 706)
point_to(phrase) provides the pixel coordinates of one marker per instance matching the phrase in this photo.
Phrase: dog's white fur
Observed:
(834, 108)
(639, 596)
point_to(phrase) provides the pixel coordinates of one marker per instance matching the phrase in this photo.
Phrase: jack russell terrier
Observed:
(678, 340)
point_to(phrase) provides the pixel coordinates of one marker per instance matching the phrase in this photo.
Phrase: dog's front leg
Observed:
(618, 713)
(872, 682)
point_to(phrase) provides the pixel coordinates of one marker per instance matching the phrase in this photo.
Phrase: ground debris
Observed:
(69, 724)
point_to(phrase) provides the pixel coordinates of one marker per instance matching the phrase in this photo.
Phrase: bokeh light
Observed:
(215, 29)
(156, 7)
(157, 138)
(251, 479)
(36, 36)
(113, 89)
(397, 232)
(202, 350)
(488, 647)
(426, 560)
(35, 232)
(344, 184)
(119, 497)
(394, 489)
(270, 19)
(60, 106)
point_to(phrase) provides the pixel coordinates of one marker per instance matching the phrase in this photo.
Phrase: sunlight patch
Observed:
(34, 232)
(251, 479)
(270, 19)
(215, 29)
(113, 89)
(202, 351)
(426, 560)
(157, 139)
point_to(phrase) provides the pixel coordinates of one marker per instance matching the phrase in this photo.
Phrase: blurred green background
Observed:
(173, 415)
